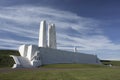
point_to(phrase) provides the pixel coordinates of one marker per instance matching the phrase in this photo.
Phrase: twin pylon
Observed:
(47, 40)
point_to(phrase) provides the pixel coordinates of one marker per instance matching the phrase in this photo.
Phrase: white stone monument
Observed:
(47, 53)
(51, 36)
(42, 35)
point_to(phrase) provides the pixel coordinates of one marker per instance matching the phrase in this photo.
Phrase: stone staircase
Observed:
(21, 62)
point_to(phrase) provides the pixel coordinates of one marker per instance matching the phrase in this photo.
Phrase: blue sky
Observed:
(93, 26)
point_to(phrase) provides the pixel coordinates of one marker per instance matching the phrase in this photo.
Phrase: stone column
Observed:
(51, 36)
(42, 35)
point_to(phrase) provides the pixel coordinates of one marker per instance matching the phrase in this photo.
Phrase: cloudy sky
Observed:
(93, 26)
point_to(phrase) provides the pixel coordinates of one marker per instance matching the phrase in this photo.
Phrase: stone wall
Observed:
(54, 56)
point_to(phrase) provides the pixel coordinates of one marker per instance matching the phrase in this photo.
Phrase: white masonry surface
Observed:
(47, 53)
(42, 35)
(51, 36)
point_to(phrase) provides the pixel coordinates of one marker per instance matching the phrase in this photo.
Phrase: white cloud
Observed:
(72, 30)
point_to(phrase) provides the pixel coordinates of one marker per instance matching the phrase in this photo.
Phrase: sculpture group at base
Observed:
(47, 53)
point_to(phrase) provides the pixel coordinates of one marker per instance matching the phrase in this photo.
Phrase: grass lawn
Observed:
(58, 71)
(63, 74)
(74, 66)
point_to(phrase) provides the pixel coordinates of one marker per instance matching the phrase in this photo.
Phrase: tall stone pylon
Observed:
(42, 35)
(51, 36)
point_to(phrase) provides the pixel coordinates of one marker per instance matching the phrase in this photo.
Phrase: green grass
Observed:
(114, 63)
(5, 59)
(78, 74)
(58, 71)
(72, 66)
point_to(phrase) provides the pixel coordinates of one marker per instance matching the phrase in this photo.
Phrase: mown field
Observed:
(81, 73)
(58, 71)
